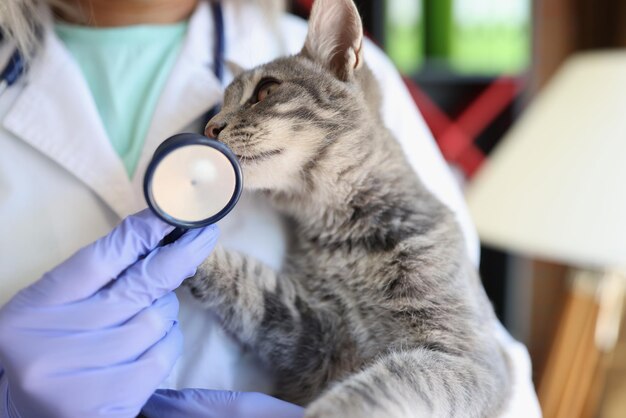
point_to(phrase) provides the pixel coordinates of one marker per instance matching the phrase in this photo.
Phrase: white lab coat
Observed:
(62, 185)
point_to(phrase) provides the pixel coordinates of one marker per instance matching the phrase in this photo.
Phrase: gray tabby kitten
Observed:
(377, 312)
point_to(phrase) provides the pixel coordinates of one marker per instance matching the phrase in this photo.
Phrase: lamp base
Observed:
(588, 330)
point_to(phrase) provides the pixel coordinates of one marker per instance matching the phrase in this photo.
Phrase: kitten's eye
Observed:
(265, 87)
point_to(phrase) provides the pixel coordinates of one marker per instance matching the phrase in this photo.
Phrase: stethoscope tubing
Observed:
(12, 71)
(177, 141)
(220, 41)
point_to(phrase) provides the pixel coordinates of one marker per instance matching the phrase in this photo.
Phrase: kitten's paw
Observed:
(208, 281)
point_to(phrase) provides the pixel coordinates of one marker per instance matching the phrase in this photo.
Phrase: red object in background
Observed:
(305, 4)
(456, 138)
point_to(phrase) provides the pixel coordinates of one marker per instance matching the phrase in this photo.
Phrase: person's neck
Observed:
(108, 13)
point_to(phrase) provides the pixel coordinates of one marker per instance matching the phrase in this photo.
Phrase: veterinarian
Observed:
(94, 329)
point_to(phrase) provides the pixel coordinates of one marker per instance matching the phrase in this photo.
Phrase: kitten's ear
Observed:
(234, 68)
(335, 37)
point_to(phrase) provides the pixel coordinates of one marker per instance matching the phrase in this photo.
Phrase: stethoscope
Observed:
(192, 181)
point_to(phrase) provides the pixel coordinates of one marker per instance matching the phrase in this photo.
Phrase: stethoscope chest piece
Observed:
(192, 181)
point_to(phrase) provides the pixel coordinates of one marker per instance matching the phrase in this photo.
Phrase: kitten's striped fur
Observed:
(376, 312)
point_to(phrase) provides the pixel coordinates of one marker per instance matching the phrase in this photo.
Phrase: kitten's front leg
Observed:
(272, 314)
(233, 286)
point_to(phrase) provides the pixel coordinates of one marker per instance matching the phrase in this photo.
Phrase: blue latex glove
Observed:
(98, 334)
(200, 403)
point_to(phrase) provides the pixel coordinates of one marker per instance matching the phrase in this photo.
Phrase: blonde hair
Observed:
(19, 19)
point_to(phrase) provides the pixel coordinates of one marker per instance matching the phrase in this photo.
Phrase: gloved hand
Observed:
(199, 403)
(98, 334)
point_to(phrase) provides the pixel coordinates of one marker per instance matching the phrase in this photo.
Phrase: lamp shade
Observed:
(556, 185)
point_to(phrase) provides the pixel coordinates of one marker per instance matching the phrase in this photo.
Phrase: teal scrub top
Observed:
(126, 69)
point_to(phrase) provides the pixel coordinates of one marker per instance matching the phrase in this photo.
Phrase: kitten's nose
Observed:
(213, 129)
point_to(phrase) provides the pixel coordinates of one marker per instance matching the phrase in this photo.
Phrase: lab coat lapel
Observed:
(190, 91)
(55, 113)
